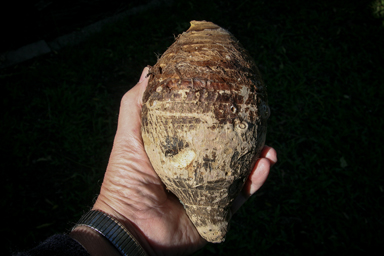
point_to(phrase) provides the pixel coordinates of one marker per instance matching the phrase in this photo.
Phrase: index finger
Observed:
(257, 177)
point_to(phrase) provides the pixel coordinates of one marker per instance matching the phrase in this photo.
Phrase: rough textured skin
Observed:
(204, 123)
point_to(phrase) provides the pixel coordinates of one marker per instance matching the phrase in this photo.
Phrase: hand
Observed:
(134, 194)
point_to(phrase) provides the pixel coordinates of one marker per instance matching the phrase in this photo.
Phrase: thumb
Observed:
(129, 122)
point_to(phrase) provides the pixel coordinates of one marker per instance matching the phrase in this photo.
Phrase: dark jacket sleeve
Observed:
(57, 245)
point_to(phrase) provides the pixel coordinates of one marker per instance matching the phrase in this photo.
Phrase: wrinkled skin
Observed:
(134, 194)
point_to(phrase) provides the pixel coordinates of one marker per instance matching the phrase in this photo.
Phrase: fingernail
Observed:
(144, 74)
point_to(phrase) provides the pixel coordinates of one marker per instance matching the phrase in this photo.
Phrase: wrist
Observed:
(93, 242)
(134, 231)
(111, 231)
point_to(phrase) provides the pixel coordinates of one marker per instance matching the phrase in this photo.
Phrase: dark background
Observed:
(322, 62)
(25, 22)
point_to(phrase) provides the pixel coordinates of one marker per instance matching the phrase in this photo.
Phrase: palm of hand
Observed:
(133, 192)
(132, 189)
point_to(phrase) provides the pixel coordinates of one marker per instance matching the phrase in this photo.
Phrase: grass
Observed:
(323, 65)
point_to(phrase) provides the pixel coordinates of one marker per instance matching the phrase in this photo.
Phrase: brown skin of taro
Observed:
(204, 123)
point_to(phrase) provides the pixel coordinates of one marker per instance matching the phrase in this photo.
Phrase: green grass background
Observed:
(323, 64)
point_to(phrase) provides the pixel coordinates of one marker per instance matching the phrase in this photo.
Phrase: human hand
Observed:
(134, 194)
